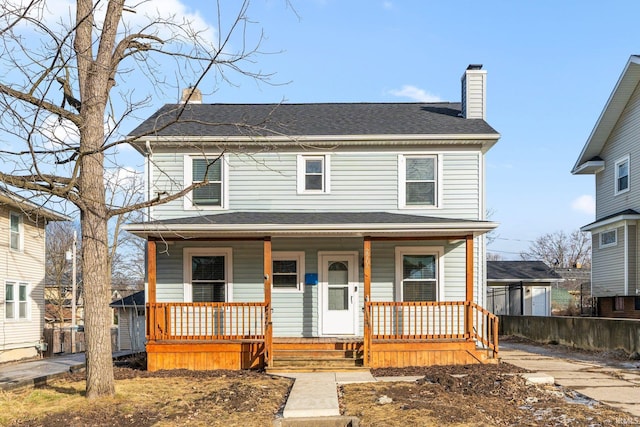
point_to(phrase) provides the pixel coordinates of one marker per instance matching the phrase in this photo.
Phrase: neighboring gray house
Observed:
(612, 154)
(131, 321)
(355, 226)
(520, 288)
(22, 270)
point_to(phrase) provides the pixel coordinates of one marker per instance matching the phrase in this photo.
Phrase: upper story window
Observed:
(15, 231)
(16, 301)
(608, 238)
(622, 175)
(418, 273)
(418, 181)
(212, 195)
(288, 271)
(314, 174)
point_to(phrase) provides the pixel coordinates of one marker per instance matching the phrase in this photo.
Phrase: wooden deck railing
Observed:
(430, 321)
(206, 321)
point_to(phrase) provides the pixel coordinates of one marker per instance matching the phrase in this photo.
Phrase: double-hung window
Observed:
(622, 175)
(211, 169)
(418, 273)
(15, 231)
(288, 271)
(207, 275)
(418, 181)
(314, 174)
(16, 305)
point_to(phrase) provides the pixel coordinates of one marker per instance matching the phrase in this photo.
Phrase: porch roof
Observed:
(355, 224)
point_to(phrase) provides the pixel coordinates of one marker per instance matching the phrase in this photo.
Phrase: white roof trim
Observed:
(610, 223)
(590, 167)
(613, 109)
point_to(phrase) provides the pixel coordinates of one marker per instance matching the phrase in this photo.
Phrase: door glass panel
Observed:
(338, 285)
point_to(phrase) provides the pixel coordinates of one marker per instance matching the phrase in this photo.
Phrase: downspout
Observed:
(148, 176)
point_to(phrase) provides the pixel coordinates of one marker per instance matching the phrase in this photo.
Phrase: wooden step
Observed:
(290, 357)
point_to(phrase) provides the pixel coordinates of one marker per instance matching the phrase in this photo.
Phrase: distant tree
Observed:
(492, 256)
(561, 250)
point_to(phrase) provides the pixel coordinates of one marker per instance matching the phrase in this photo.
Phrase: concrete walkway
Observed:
(37, 372)
(613, 383)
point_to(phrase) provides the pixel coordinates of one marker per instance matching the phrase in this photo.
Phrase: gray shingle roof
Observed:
(308, 218)
(133, 300)
(520, 271)
(312, 119)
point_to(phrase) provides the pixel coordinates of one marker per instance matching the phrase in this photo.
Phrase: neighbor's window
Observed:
(211, 169)
(15, 232)
(313, 174)
(418, 181)
(622, 175)
(618, 303)
(417, 273)
(16, 301)
(608, 238)
(288, 271)
(208, 274)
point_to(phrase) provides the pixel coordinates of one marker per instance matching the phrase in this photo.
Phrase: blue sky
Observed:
(551, 67)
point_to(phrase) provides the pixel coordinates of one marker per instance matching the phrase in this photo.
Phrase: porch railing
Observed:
(431, 321)
(206, 321)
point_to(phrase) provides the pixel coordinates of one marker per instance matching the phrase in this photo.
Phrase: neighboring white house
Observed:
(22, 273)
(612, 155)
(361, 222)
(520, 288)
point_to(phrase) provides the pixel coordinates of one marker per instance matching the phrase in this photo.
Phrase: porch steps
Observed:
(317, 356)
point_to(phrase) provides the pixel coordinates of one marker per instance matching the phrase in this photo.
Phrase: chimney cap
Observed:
(474, 67)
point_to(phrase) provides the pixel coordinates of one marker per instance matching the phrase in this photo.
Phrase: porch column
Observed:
(268, 330)
(151, 290)
(468, 320)
(367, 297)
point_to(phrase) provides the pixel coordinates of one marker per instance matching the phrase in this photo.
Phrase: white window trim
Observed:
(188, 180)
(16, 301)
(615, 173)
(228, 269)
(608, 245)
(438, 251)
(20, 247)
(402, 177)
(290, 255)
(301, 172)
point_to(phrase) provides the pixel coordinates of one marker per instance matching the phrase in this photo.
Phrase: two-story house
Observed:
(351, 227)
(612, 154)
(22, 271)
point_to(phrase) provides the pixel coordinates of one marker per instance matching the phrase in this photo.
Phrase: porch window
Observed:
(288, 271)
(418, 274)
(207, 272)
(313, 174)
(209, 168)
(16, 301)
(15, 232)
(608, 238)
(622, 175)
(418, 186)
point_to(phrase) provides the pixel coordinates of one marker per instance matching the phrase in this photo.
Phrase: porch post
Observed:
(151, 289)
(367, 297)
(469, 287)
(268, 331)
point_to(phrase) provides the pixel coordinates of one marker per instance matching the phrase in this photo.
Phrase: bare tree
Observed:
(58, 271)
(70, 79)
(561, 250)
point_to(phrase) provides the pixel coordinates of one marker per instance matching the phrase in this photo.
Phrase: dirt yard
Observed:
(489, 395)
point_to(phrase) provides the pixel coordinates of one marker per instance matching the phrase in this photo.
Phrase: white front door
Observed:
(539, 301)
(339, 293)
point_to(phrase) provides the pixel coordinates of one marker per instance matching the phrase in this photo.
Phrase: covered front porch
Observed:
(383, 328)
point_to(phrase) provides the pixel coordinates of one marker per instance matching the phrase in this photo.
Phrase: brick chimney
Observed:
(196, 96)
(474, 87)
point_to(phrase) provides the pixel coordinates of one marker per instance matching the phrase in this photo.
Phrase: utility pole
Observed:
(72, 256)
